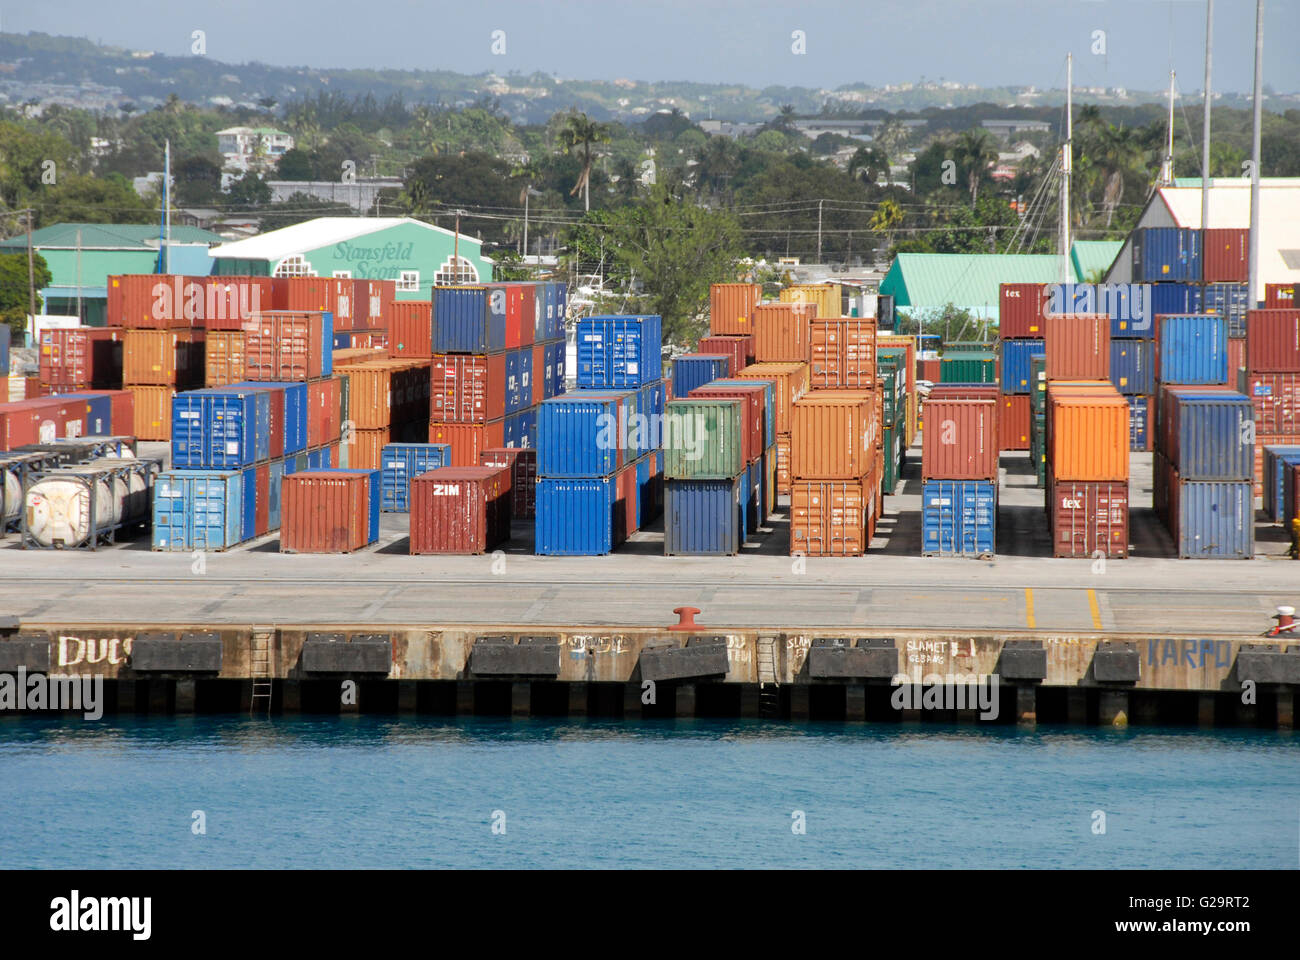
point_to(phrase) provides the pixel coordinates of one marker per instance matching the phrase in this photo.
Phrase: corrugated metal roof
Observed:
(968, 280)
(1090, 256)
(109, 236)
(314, 234)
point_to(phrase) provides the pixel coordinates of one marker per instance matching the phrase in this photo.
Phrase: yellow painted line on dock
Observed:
(1029, 608)
(1096, 610)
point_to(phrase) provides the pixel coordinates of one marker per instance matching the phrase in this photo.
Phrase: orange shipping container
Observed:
(832, 518)
(149, 301)
(833, 436)
(410, 329)
(153, 412)
(324, 512)
(231, 302)
(791, 381)
(366, 447)
(1014, 420)
(171, 358)
(843, 354)
(731, 307)
(343, 358)
(1078, 347)
(960, 440)
(1087, 433)
(781, 332)
(468, 440)
(783, 463)
(223, 358)
(384, 393)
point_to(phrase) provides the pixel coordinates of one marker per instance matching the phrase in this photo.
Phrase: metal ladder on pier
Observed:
(769, 682)
(259, 669)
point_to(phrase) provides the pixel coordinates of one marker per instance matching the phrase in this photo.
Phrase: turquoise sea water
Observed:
(385, 792)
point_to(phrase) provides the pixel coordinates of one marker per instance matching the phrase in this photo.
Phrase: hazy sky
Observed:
(987, 42)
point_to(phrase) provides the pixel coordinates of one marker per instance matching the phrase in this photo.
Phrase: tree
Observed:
(975, 152)
(869, 164)
(198, 181)
(579, 131)
(296, 164)
(81, 198)
(14, 299)
(250, 190)
(891, 137)
(887, 218)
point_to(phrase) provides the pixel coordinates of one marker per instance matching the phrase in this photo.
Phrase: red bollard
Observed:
(685, 618)
(1285, 618)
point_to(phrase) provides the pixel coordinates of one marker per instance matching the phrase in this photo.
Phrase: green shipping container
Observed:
(969, 367)
(702, 439)
(888, 369)
(969, 347)
(1038, 385)
(893, 444)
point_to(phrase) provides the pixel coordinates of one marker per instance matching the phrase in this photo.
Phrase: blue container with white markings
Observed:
(198, 510)
(222, 428)
(1016, 357)
(575, 516)
(620, 352)
(959, 518)
(400, 463)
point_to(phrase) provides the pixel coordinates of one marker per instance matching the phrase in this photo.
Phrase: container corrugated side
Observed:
(329, 511)
(1078, 346)
(410, 329)
(1211, 436)
(959, 518)
(831, 518)
(577, 436)
(1088, 435)
(1017, 356)
(782, 332)
(467, 319)
(1273, 341)
(828, 297)
(197, 510)
(731, 307)
(1214, 520)
(1132, 366)
(1225, 258)
(459, 510)
(619, 352)
(960, 440)
(791, 380)
(1021, 310)
(691, 370)
(163, 357)
(575, 516)
(752, 397)
(703, 517)
(1014, 421)
(1192, 348)
(153, 411)
(1166, 254)
(704, 439)
(833, 436)
(1276, 458)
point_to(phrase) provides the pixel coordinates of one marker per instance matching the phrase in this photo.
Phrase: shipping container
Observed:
(704, 517)
(153, 411)
(1276, 398)
(286, 345)
(753, 399)
(521, 429)
(833, 436)
(290, 412)
(583, 434)
(1209, 519)
(969, 367)
(164, 358)
(691, 370)
(329, 511)
(77, 357)
(1141, 435)
(1277, 458)
(324, 402)
(791, 382)
(223, 358)
(1236, 357)
(1017, 355)
(469, 319)
(1273, 341)
(1226, 257)
(768, 388)
(1021, 309)
(1208, 436)
(459, 510)
(827, 297)
(108, 412)
(703, 439)
(1166, 254)
(1013, 421)
(410, 329)
(619, 352)
(154, 301)
(1192, 348)
(1132, 366)
(40, 420)
(521, 475)
(221, 429)
(1089, 518)
(231, 302)
(332, 295)
(372, 302)
(959, 518)
(576, 516)
(524, 315)
(1279, 296)
(1087, 433)
(386, 393)
(832, 518)
(467, 389)
(468, 440)
(556, 363)
(400, 463)
(842, 354)
(1231, 300)
(198, 510)
(731, 307)
(737, 350)
(364, 449)
(1290, 496)
(782, 332)
(960, 441)
(519, 379)
(1078, 346)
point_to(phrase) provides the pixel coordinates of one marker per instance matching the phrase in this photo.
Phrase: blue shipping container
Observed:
(1139, 415)
(769, 404)
(1214, 441)
(1215, 520)
(469, 319)
(575, 517)
(1276, 458)
(220, 429)
(574, 436)
(198, 510)
(1016, 355)
(277, 470)
(1193, 349)
(4, 352)
(99, 413)
(696, 370)
(294, 405)
(754, 511)
(555, 363)
(400, 463)
(704, 517)
(959, 518)
(318, 459)
(1230, 300)
(521, 429)
(1132, 366)
(561, 310)
(619, 352)
(1166, 253)
(519, 379)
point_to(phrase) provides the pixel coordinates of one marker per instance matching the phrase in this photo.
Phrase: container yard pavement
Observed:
(891, 587)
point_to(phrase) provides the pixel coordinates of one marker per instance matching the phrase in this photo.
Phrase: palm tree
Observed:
(891, 137)
(975, 153)
(719, 160)
(785, 119)
(869, 164)
(581, 131)
(887, 218)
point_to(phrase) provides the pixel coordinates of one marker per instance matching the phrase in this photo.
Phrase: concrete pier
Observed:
(1113, 708)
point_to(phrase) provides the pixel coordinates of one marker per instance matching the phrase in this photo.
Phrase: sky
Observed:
(984, 42)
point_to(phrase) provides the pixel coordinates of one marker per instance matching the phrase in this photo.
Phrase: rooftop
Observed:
(108, 236)
(969, 280)
(321, 232)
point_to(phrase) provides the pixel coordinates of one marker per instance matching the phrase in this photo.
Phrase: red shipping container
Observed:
(1279, 295)
(1224, 257)
(468, 440)
(372, 301)
(32, 421)
(843, 353)
(410, 326)
(782, 332)
(626, 493)
(928, 370)
(459, 510)
(541, 376)
(467, 389)
(973, 391)
(1276, 398)
(737, 350)
(521, 476)
(285, 345)
(1236, 357)
(753, 414)
(121, 411)
(1088, 517)
(81, 357)
(323, 400)
(153, 301)
(231, 302)
(960, 440)
(325, 511)
(1078, 346)
(1273, 340)
(1022, 308)
(312, 294)
(1014, 420)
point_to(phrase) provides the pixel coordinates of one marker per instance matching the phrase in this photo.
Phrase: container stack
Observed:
(1271, 378)
(1020, 341)
(711, 444)
(1038, 418)
(789, 383)
(497, 351)
(600, 465)
(959, 471)
(909, 401)
(835, 461)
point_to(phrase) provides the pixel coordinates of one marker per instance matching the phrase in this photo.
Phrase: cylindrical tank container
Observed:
(78, 506)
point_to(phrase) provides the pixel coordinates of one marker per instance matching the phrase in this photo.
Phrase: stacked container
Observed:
(1021, 334)
(789, 382)
(959, 470)
(1271, 378)
(903, 350)
(710, 447)
(1087, 450)
(834, 461)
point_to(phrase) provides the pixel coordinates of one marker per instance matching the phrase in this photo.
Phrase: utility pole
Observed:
(1067, 163)
(527, 190)
(31, 271)
(819, 230)
(1205, 126)
(1167, 168)
(1253, 252)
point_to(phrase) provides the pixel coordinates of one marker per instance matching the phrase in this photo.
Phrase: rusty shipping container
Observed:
(791, 380)
(468, 440)
(313, 295)
(736, 349)
(460, 510)
(1078, 346)
(782, 331)
(164, 358)
(288, 346)
(833, 518)
(520, 464)
(223, 358)
(1015, 419)
(232, 302)
(1021, 309)
(1224, 257)
(960, 440)
(1279, 295)
(1273, 341)
(842, 354)
(81, 357)
(1087, 433)
(153, 411)
(731, 307)
(329, 511)
(1089, 516)
(464, 388)
(150, 301)
(410, 329)
(833, 435)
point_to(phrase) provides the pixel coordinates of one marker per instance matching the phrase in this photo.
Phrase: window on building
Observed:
(342, 274)
(408, 280)
(465, 273)
(294, 266)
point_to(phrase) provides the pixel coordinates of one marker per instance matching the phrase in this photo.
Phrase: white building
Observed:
(239, 145)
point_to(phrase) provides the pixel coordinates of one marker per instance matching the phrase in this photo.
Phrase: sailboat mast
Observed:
(1066, 165)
